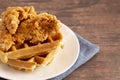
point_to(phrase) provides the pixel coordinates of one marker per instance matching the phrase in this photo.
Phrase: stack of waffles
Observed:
(27, 57)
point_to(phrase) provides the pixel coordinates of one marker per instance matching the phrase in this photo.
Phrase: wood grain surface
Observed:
(97, 21)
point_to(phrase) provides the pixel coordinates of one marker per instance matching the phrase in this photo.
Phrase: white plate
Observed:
(64, 59)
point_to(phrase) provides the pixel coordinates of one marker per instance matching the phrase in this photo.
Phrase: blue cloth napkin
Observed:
(87, 51)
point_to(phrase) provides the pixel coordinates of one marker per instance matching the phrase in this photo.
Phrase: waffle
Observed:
(27, 57)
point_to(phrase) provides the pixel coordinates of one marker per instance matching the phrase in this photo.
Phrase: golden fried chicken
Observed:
(6, 40)
(13, 16)
(37, 29)
(20, 24)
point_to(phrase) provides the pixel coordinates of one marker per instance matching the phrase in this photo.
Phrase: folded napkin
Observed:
(87, 51)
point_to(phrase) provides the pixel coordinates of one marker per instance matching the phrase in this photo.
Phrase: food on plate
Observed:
(28, 39)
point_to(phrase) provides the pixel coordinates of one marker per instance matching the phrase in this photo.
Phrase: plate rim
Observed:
(78, 52)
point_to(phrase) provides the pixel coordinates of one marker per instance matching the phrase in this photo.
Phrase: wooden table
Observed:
(96, 20)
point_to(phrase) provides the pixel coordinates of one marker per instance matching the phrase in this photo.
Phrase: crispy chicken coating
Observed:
(14, 15)
(37, 29)
(22, 24)
(6, 40)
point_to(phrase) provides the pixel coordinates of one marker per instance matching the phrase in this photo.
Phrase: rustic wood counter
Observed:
(97, 21)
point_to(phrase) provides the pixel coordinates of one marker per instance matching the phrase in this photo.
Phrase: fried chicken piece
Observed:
(48, 23)
(28, 31)
(12, 17)
(6, 40)
(37, 29)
